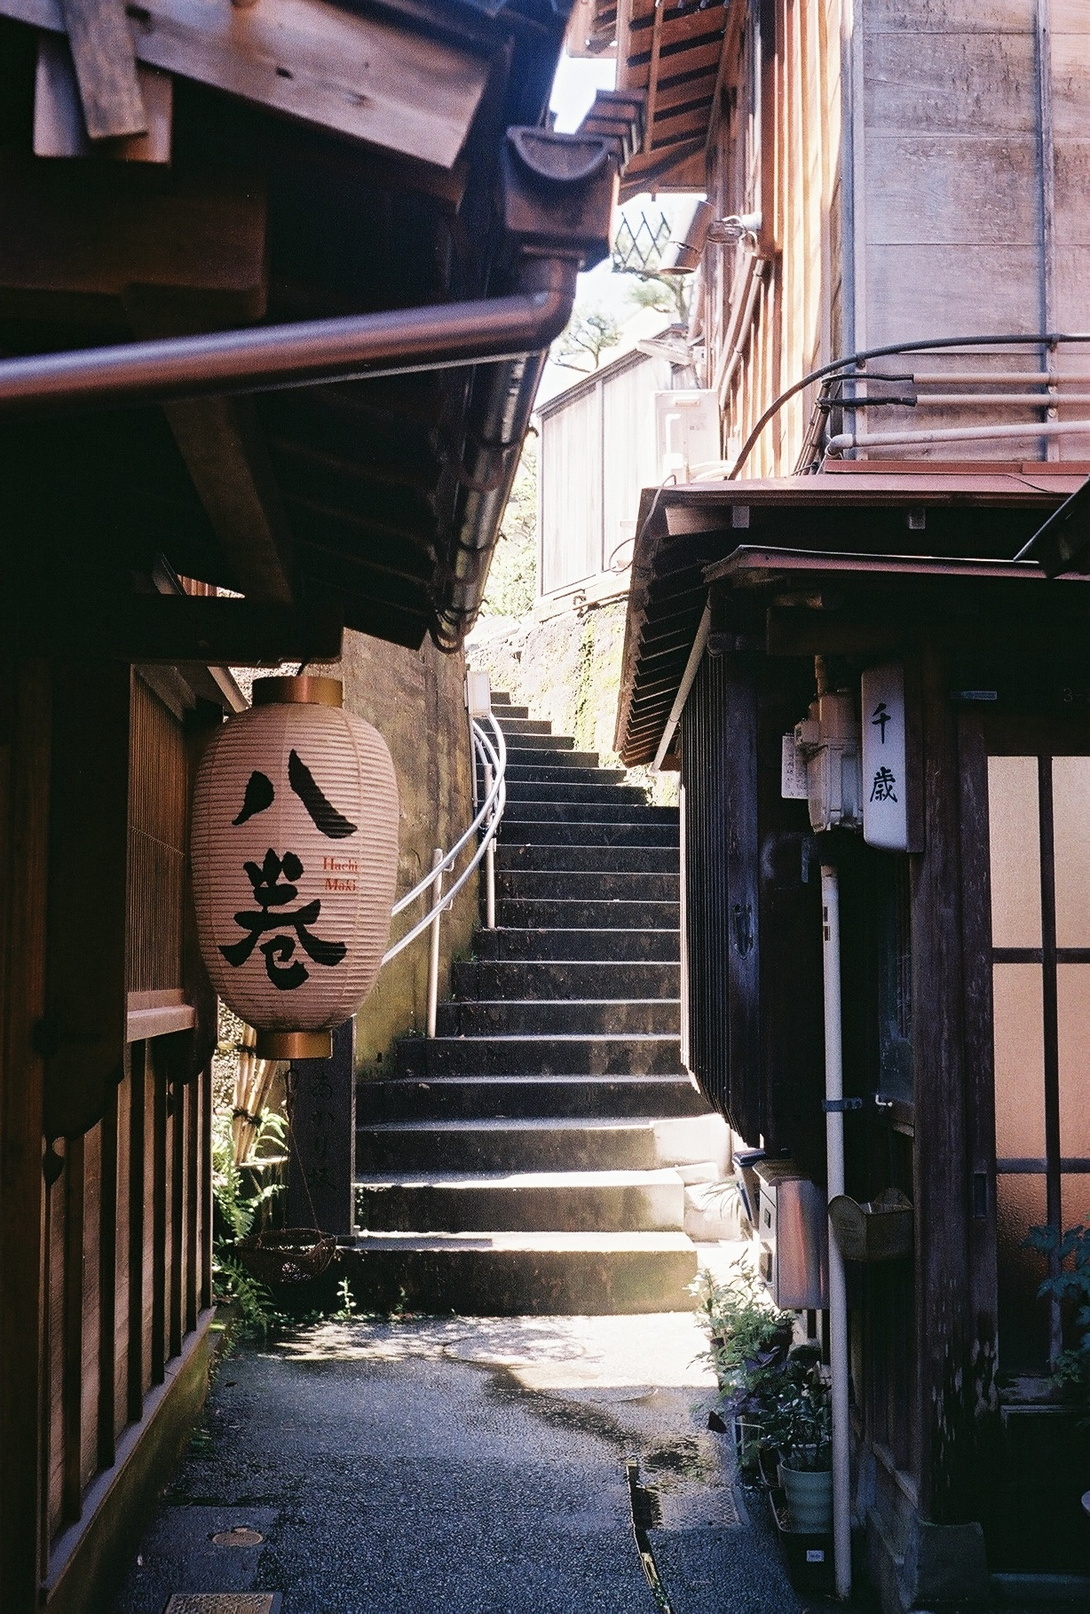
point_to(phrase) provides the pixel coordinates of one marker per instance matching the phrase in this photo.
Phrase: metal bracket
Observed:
(837, 1106)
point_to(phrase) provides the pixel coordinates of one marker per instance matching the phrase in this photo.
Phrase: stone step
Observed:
(519, 772)
(577, 795)
(540, 1143)
(626, 886)
(538, 742)
(536, 1143)
(504, 708)
(636, 813)
(534, 756)
(557, 832)
(524, 725)
(579, 859)
(571, 913)
(493, 1097)
(616, 1016)
(649, 1053)
(562, 1201)
(573, 946)
(522, 1274)
(543, 980)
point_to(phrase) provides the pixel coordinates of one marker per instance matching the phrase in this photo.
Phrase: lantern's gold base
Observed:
(309, 690)
(294, 1044)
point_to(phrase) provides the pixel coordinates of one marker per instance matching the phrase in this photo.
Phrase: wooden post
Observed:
(323, 1138)
(25, 740)
(943, 1276)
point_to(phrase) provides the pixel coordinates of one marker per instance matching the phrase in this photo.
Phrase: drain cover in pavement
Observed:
(240, 1536)
(223, 1603)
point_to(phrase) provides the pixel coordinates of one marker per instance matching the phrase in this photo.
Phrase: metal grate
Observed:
(223, 1603)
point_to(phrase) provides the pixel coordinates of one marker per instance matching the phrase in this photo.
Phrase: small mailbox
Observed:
(793, 1233)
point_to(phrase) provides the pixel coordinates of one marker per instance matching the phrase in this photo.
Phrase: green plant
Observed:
(798, 1422)
(748, 1335)
(238, 1205)
(1071, 1372)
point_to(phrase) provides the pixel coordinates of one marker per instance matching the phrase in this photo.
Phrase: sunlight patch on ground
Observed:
(630, 1357)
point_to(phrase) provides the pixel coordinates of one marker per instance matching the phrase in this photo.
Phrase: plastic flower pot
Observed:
(809, 1495)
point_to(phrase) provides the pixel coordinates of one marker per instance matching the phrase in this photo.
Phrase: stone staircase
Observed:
(539, 1155)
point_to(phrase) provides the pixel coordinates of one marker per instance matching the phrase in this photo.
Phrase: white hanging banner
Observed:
(885, 782)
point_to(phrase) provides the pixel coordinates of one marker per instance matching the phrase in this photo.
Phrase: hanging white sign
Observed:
(793, 785)
(885, 781)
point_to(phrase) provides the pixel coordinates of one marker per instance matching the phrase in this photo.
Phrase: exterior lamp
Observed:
(294, 851)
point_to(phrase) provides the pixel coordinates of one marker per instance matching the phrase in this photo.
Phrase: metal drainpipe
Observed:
(838, 1305)
(491, 468)
(266, 357)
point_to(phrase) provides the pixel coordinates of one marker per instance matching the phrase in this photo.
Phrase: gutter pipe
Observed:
(838, 1300)
(960, 434)
(394, 342)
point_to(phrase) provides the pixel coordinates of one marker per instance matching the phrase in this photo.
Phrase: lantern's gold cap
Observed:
(293, 1044)
(301, 691)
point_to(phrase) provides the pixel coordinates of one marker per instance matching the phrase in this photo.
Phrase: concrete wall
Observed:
(567, 670)
(415, 700)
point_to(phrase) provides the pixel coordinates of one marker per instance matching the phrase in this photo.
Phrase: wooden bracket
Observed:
(102, 50)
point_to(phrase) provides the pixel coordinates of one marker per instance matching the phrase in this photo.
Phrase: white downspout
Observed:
(838, 1306)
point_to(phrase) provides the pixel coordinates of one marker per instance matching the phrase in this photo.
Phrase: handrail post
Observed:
(433, 960)
(490, 860)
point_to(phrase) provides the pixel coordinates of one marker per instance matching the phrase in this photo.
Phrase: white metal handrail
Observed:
(491, 752)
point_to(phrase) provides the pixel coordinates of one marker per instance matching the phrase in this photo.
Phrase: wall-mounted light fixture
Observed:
(684, 253)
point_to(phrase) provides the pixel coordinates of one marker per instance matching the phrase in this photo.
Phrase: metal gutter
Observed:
(393, 342)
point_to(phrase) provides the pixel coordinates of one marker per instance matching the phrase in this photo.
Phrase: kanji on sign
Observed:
(882, 788)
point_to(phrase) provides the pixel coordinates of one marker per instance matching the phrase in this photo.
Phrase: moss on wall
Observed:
(567, 670)
(415, 700)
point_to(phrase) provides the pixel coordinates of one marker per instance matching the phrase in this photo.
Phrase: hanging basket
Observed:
(287, 1255)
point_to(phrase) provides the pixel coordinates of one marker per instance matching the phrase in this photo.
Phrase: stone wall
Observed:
(567, 670)
(415, 699)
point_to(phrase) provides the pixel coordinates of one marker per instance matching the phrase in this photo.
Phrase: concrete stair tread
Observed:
(535, 1079)
(530, 1240)
(633, 1177)
(518, 1003)
(519, 1123)
(524, 1038)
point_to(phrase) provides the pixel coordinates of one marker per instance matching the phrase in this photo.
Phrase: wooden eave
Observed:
(764, 545)
(349, 493)
(672, 54)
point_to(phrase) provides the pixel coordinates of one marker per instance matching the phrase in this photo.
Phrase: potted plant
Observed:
(800, 1425)
(749, 1343)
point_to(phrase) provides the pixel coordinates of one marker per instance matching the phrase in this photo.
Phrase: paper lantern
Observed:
(294, 848)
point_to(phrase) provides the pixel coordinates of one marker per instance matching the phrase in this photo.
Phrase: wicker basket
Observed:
(287, 1255)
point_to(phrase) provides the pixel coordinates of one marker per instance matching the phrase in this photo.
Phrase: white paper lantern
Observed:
(294, 848)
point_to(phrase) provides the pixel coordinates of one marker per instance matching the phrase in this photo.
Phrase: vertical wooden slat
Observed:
(25, 737)
(192, 1204)
(53, 1419)
(159, 1163)
(176, 1133)
(90, 1287)
(123, 1254)
(107, 1296)
(72, 1337)
(138, 1332)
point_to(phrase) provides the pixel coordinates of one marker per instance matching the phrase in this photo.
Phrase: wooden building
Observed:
(275, 289)
(898, 194)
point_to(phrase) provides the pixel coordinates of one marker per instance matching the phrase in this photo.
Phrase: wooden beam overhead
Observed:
(171, 629)
(78, 236)
(364, 77)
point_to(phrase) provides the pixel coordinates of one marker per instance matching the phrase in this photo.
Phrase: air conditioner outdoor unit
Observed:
(686, 432)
